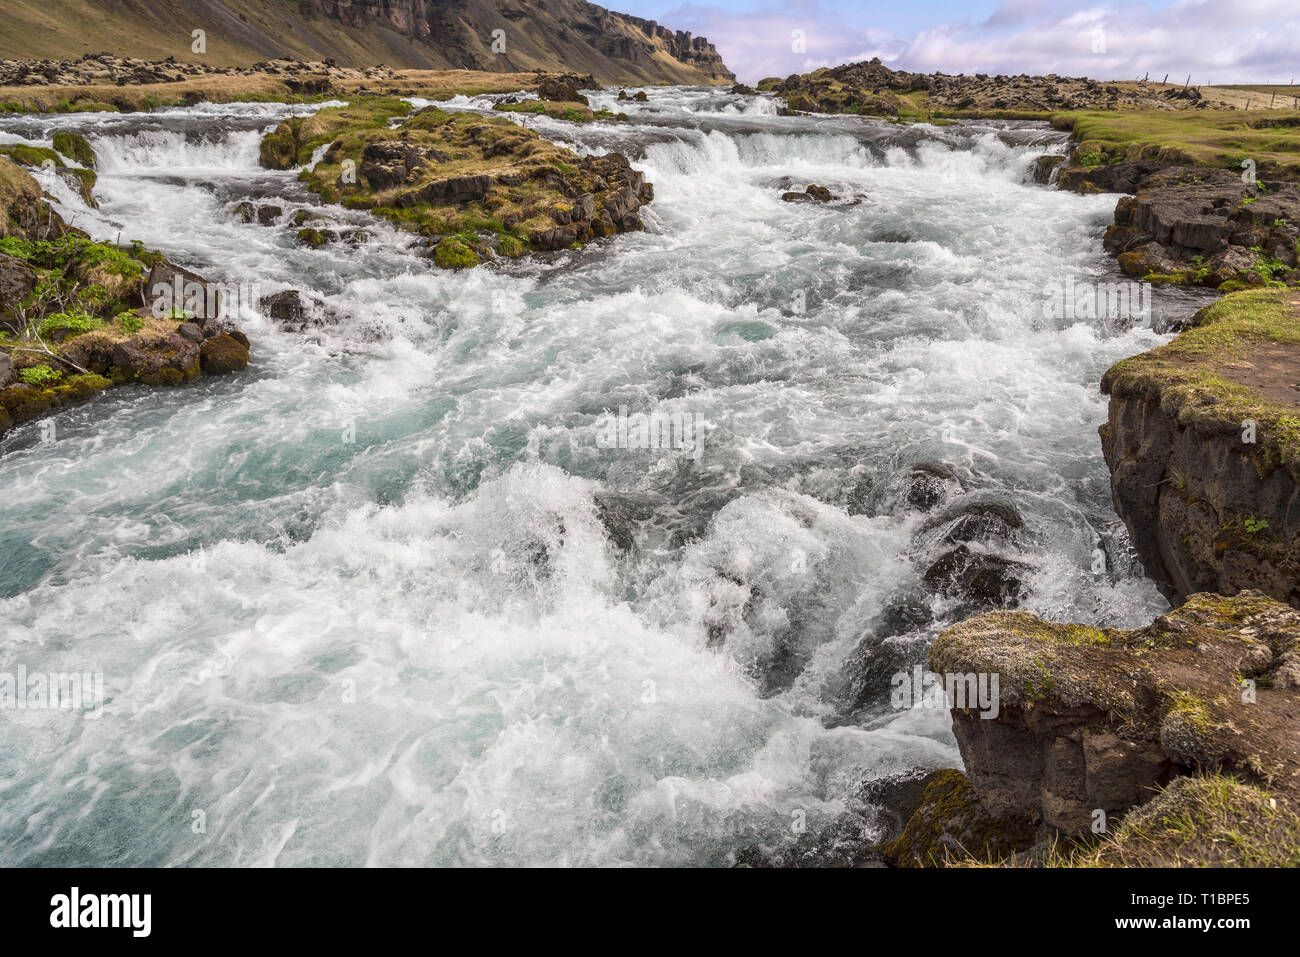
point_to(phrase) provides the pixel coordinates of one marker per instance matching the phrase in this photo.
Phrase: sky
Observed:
(1215, 41)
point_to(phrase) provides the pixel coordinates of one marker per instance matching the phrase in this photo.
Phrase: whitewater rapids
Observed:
(382, 599)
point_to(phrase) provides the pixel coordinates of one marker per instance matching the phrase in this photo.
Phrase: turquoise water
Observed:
(382, 599)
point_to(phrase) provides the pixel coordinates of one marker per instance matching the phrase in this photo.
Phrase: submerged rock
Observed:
(812, 194)
(984, 579)
(930, 484)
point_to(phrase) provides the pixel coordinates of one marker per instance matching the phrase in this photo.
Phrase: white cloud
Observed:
(1216, 41)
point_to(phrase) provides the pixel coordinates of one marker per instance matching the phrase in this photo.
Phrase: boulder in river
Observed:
(983, 578)
(154, 358)
(223, 354)
(812, 194)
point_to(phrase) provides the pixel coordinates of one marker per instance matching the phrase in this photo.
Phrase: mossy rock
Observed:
(1167, 279)
(1210, 820)
(511, 246)
(451, 253)
(949, 825)
(33, 155)
(278, 151)
(23, 402)
(75, 147)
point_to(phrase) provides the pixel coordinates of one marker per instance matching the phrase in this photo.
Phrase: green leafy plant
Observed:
(1268, 267)
(39, 376)
(75, 323)
(1253, 525)
(130, 323)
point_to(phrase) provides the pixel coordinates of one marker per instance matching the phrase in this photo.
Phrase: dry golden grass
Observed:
(432, 84)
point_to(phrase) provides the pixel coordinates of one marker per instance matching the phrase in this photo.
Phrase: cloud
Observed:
(1215, 41)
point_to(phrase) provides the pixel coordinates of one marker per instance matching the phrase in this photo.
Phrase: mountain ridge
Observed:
(552, 35)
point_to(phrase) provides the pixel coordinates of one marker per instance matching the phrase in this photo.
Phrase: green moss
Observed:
(293, 141)
(1211, 820)
(1167, 279)
(511, 247)
(452, 253)
(32, 155)
(1041, 684)
(1192, 374)
(1083, 635)
(75, 147)
(949, 825)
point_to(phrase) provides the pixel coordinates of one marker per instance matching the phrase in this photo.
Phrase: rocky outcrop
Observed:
(475, 188)
(80, 316)
(503, 36)
(1091, 722)
(564, 88)
(1198, 225)
(872, 88)
(109, 69)
(1203, 443)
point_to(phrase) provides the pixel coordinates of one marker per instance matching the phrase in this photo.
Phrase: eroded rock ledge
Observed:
(1203, 444)
(1095, 721)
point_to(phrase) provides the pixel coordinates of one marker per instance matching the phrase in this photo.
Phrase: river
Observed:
(384, 599)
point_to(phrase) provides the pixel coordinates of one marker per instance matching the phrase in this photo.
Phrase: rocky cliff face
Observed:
(1201, 441)
(1092, 723)
(1197, 226)
(502, 36)
(549, 34)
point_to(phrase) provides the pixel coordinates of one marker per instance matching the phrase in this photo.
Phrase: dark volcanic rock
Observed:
(223, 354)
(983, 578)
(1093, 720)
(156, 359)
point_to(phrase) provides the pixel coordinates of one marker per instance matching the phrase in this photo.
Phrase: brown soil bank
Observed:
(1175, 743)
(416, 34)
(1203, 444)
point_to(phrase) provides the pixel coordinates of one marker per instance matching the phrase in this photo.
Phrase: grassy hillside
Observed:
(1196, 137)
